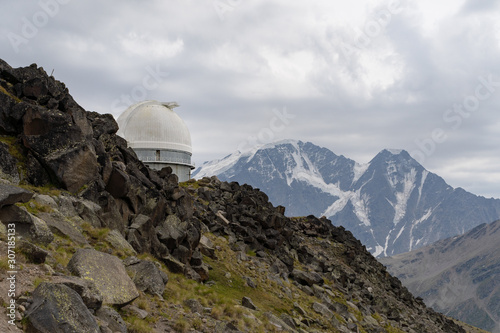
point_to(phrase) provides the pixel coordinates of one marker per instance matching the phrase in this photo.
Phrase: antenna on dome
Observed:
(171, 105)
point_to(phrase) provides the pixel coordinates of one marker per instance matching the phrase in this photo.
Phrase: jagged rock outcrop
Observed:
(311, 251)
(58, 143)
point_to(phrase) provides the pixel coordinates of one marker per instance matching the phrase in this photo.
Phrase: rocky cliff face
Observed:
(105, 244)
(52, 141)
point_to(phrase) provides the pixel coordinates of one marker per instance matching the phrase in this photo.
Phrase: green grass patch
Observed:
(37, 282)
(97, 234)
(35, 208)
(391, 329)
(377, 317)
(16, 150)
(4, 264)
(179, 289)
(61, 249)
(137, 325)
(232, 289)
(190, 183)
(49, 189)
(182, 325)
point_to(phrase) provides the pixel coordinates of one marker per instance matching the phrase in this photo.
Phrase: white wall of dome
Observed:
(159, 136)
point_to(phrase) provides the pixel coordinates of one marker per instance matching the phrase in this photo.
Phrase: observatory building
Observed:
(159, 137)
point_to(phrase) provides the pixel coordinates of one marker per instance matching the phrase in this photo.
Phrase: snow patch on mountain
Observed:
(304, 170)
(422, 181)
(338, 204)
(217, 167)
(399, 234)
(403, 196)
(359, 170)
(378, 250)
(386, 245)
(360, 202)
(427, 214)
(361, 207)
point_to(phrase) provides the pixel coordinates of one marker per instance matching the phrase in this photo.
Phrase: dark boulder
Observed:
(57, 308)
(180, 237)
(59, 224)
(119, 181)
(87, 210)
(206, 247)
(102, 123)
(33, 253)
(247, 303)
(194, 305)
(112, 319)
(146, 275)
(10, 120)
(307, 278)
(46, 131)
(8, 164)
(109, 214)
(74, 167)
(174, 265)
(10, 195)
(87, 290)
(36, 174)
(201, 271)
(142, 236)
(35, 88)
(54, 128)
(27, 225)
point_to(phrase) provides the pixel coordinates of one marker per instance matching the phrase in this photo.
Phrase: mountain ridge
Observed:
(392, 203)
(458, 276)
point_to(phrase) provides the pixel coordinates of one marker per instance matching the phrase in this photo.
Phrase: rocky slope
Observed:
(459, 276)
(104, 244)
(392, 204)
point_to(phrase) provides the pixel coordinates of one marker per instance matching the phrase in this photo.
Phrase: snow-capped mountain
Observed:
(391, 204)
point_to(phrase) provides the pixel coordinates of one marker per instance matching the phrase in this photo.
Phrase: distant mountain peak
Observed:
(271, 145)
(395, 151)
(392, 204)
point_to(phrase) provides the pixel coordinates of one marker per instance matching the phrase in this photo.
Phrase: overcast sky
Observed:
(352, 76)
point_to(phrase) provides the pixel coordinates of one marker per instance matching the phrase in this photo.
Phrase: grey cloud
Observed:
(480, 5)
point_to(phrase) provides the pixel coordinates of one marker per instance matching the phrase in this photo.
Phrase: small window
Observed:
(157, 155)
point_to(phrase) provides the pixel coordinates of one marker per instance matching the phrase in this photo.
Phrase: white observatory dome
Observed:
(154, 125)
(158, 135)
